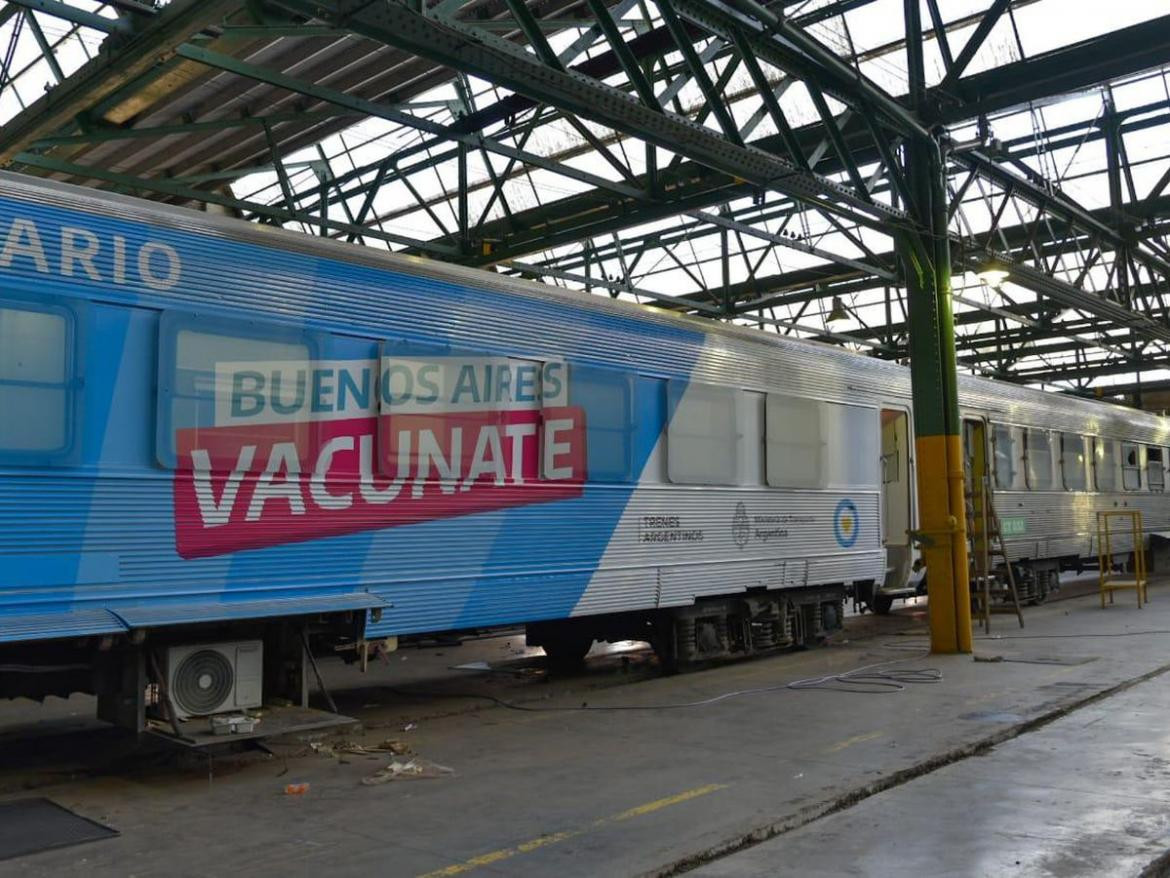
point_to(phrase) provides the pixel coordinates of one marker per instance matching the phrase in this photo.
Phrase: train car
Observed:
(223, 444)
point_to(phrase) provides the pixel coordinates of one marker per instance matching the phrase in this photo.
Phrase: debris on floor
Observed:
(296, 789)
(393, 746)
(415, 768)
(472, 666)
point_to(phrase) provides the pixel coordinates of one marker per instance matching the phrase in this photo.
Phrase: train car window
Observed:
(1131, 466)
(811, 444)
(428, 399)
(222, 391)
(854, 446)
(1008, 456)
(451, 419)
(1073, 462)
(794, 446)
(1038, 456)
(36, 382)
(1104, 465)
(1155, 474)
(702, 436)
(606, 395)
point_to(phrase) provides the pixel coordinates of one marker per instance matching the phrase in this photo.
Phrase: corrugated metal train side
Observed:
(214, 427)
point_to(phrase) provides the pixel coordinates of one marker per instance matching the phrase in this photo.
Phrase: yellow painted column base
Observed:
(941, 511)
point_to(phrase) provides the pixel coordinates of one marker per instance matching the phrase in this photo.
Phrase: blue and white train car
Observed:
(212, 431)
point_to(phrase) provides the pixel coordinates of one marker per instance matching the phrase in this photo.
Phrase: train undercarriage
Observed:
(712, 628)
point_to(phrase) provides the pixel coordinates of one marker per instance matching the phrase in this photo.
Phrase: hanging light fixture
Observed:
(838, 311)
(993, 272)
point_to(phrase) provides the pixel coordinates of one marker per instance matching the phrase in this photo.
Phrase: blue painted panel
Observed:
(60, 623)
(27, 571)
(108, 521)
(181, 613)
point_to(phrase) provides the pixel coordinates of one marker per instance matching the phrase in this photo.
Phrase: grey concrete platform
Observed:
(1088, 794)
(964, 776)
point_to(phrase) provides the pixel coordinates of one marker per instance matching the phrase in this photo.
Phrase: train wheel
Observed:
(662, 641)
(882, 604)
(1042, 580)
(567, 654)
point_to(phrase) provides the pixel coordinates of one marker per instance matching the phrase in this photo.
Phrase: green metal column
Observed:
(937, 426)
(933, 374)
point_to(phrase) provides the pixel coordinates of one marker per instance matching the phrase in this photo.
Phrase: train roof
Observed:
(1012, 402)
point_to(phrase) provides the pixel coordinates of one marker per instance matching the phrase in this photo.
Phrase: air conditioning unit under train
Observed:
(209, 678)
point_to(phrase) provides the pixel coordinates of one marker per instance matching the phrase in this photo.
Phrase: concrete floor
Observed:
(1085, 795)
(1055, 757)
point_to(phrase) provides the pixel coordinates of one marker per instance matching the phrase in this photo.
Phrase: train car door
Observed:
(896, 493)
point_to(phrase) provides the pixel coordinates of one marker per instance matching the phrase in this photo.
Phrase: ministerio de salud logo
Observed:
(741, 529)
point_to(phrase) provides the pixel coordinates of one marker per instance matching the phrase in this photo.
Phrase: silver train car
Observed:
(402, 448)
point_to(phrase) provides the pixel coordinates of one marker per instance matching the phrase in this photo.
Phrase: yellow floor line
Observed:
(849, 742)
(556, 837)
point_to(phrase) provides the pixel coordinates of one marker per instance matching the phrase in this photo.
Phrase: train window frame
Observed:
(1131, 470)
(1016, 457)
(824, 470)
(872, 454)
(1156, 486)
(72, 314)
(388, 462)
(1033, 438)
(781, 477)
(1099, 443)
(1082, 453)
(616, 379)
(172, 324)
(728, 474)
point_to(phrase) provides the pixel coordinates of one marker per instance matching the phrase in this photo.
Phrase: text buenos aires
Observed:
(304, 451)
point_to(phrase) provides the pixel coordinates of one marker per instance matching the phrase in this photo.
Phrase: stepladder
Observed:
(993, 582)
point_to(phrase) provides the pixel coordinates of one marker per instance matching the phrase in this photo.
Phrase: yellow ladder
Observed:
(986, 539)
(1105, 536)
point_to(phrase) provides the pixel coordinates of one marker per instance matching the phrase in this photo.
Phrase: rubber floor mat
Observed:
(29, 826)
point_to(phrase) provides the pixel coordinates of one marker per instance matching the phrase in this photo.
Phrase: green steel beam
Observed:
(530, 27)
(272, 31)
(75, 15)
(773, 34)
(721, 187)
(613, 35)
(175, 188)
(463, 47)
(113, 66)
(771, 103)
(1094, 369)
(392, 114)
(714, 100)
(539, 272)
(833, 130)
(101, 133)
(756, 232)
(974, 43)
